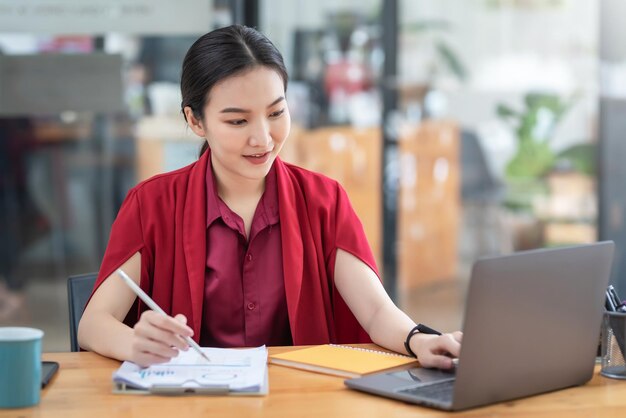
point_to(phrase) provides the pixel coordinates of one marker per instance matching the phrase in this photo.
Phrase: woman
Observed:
(242, 248)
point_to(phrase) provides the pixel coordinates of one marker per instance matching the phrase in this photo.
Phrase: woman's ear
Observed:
(194, 123)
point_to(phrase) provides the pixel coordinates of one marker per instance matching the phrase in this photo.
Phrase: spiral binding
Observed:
(369, 350)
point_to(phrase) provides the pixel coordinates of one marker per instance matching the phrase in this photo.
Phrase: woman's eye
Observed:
(277, 113)
(237, 122)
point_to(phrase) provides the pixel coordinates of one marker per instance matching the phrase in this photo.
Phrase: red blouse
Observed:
(164, 219)
(247, 273)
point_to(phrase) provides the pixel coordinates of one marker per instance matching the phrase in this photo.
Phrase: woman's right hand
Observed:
(157, 338)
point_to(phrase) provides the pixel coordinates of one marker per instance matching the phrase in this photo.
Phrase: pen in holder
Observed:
(614, 345)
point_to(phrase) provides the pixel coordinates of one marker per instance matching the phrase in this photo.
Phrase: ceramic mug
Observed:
(20, 366)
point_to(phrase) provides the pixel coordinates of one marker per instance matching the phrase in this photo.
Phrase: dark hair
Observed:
(220, 54)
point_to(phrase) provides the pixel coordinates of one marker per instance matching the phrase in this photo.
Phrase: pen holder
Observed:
(614, 345)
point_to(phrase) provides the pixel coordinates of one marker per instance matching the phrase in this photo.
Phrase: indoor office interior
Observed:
(459, 129)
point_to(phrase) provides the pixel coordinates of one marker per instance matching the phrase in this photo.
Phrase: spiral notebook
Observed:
(343, 360)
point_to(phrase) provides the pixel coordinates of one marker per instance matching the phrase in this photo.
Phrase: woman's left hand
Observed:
(437, 350)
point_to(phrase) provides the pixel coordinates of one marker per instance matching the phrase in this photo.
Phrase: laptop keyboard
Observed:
(438, 391)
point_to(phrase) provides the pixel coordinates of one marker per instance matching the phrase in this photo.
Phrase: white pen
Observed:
(156, 308)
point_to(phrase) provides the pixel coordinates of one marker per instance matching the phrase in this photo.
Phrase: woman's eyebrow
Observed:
(240, 110)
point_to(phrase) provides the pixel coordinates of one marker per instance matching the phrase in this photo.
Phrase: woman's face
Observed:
(246, 122)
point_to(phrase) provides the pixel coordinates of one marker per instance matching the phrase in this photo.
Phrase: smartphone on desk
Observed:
(48, 370)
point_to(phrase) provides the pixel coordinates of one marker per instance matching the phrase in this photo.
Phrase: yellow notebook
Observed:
(342, 360)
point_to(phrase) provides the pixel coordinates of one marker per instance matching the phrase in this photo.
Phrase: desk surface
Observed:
(82, 388)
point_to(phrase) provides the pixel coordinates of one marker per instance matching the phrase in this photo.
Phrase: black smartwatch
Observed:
(416, 329)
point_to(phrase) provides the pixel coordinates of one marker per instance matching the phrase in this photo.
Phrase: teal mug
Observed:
(20, 366)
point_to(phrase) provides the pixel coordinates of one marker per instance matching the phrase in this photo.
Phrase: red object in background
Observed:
(350, 77)
(67, 44)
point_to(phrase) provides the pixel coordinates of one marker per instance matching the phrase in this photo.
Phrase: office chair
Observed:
(482, 195)
(478, 184)
(79, 289)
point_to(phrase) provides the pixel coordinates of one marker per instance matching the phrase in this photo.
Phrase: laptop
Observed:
(532, 325)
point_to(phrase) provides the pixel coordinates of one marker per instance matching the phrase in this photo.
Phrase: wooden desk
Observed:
(82, 388)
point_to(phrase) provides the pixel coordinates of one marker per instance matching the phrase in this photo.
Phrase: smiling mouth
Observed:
(263, 154)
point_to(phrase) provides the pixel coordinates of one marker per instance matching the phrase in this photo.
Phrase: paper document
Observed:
(230, 371)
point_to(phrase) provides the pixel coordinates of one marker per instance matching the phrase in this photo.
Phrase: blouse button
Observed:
(249, 257)
(251, 306)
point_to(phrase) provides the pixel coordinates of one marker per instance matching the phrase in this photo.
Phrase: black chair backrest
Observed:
(79, 289)
(477, 181)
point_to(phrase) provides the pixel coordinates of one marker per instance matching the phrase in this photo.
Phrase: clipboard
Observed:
(123, 388)
(241, 372)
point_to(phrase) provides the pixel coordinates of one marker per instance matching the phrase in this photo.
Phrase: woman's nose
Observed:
(261, 136)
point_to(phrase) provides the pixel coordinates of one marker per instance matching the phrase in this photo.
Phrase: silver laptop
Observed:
(532, 325)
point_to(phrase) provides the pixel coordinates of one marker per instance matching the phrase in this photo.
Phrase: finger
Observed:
(447, 344)
(167, 323)
(181, 318)
(440, 361)
(147, 359)
(458, 335)
(147, 331)
(145, 346)
(147, 328)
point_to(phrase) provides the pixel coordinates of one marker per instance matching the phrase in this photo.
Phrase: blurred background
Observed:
(460, 129)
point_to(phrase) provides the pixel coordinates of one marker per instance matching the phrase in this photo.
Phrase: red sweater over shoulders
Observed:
(164, 218)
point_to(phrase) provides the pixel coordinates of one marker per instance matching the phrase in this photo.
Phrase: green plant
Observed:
(445, 55)
(534, 128)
